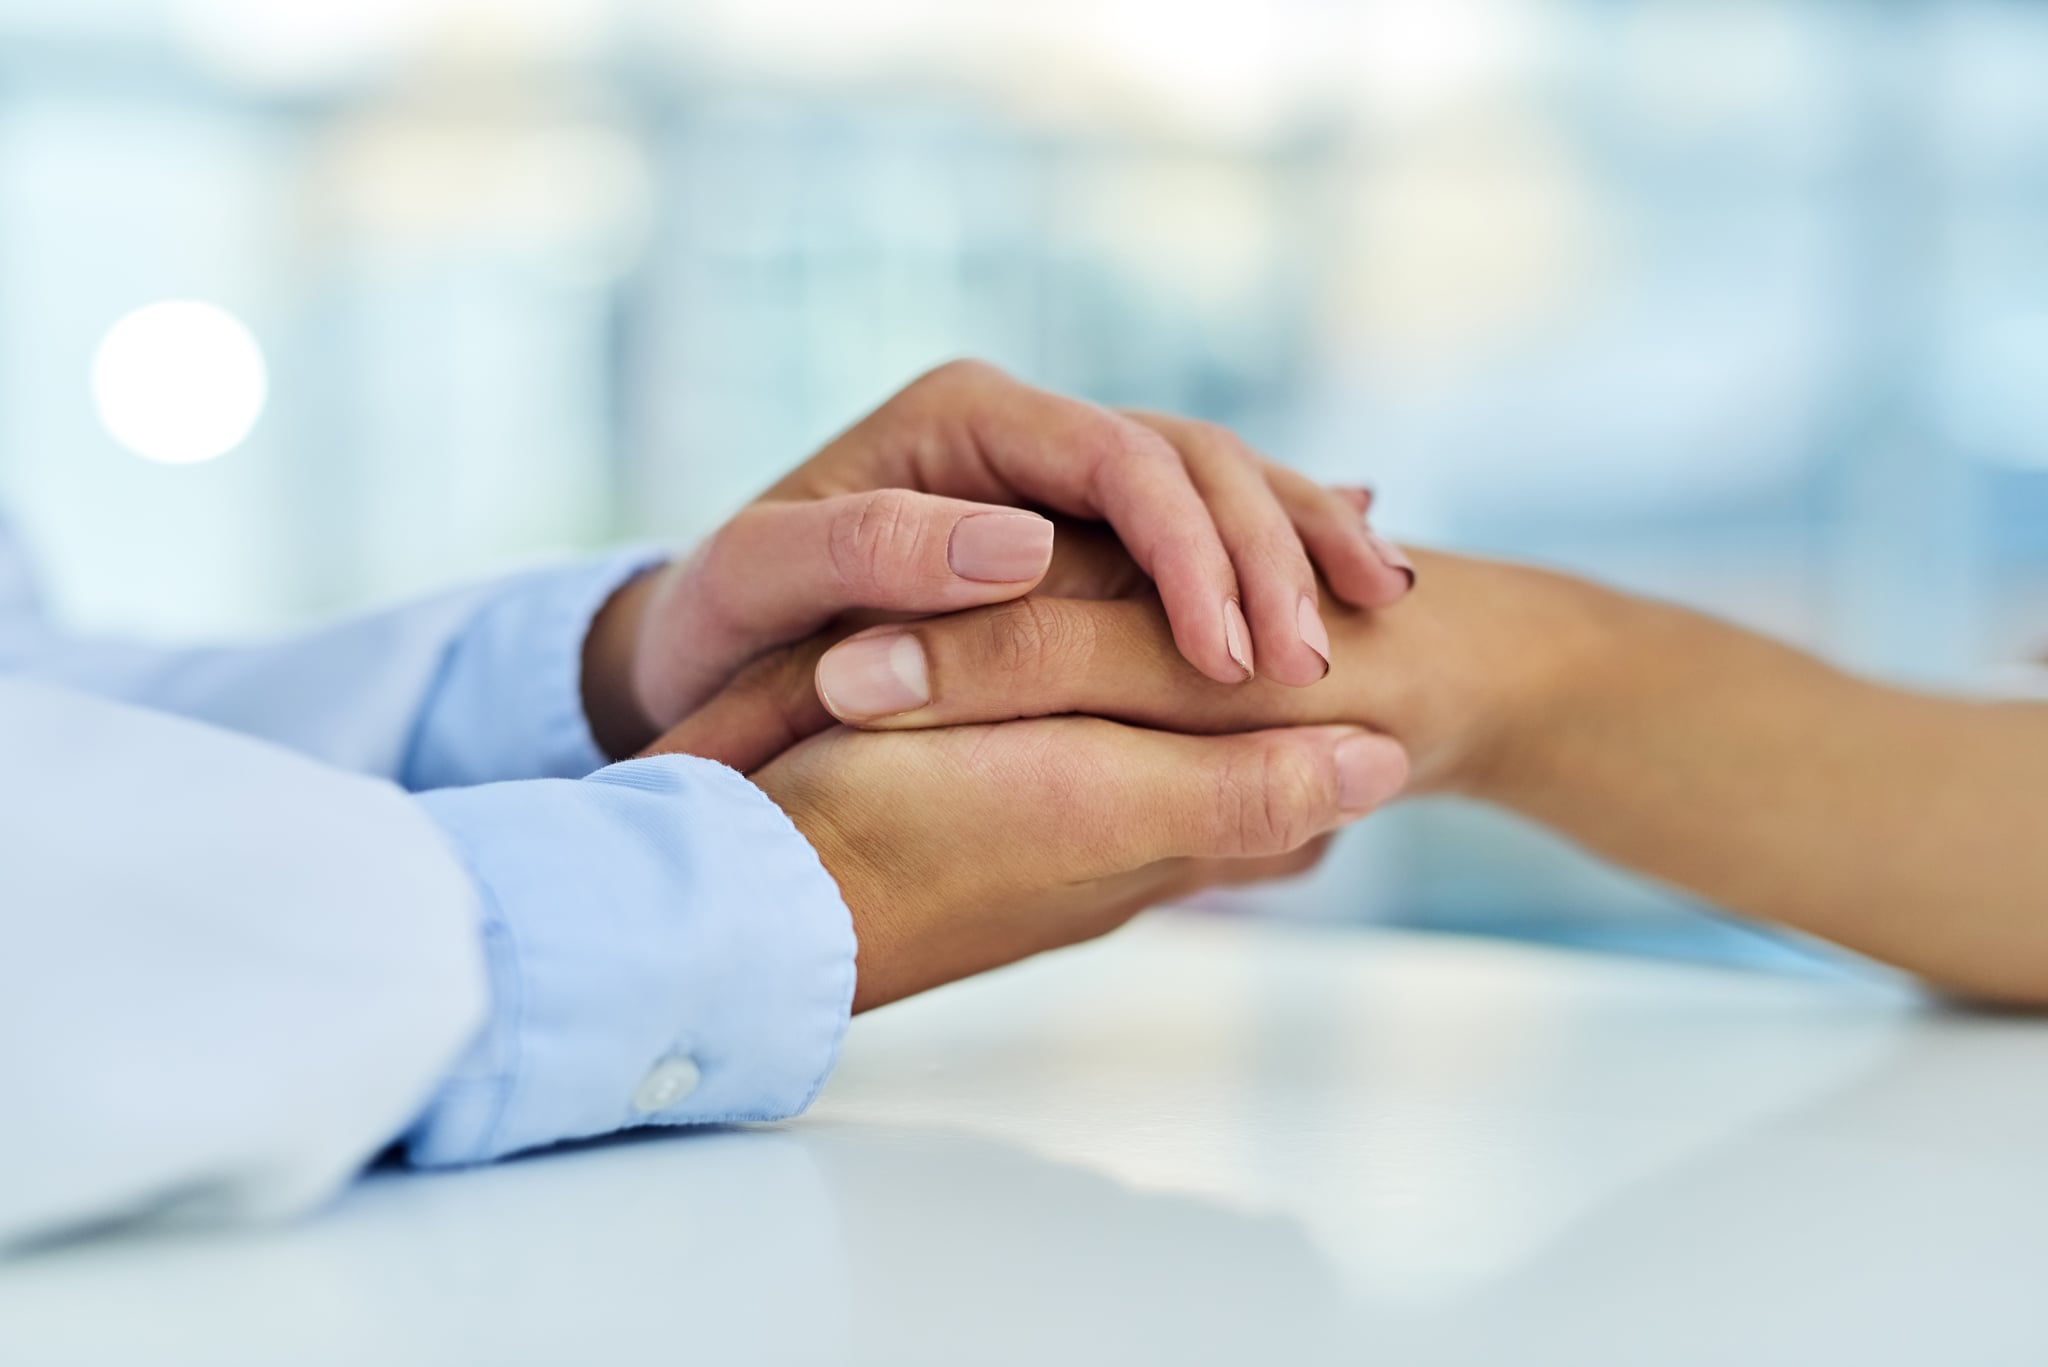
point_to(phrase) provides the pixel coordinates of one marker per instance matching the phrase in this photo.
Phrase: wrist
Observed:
(1557, 675)
(1508, 652)
(619, 718)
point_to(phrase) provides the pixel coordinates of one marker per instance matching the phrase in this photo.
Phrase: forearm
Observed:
(1906, 827)
(473, 686)
(272, 970)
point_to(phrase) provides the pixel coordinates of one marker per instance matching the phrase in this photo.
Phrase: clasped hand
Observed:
(962, 847)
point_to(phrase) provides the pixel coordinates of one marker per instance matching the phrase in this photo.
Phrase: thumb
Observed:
(1265, 793)
(1253, 794)
(780, 570)
(767, 708)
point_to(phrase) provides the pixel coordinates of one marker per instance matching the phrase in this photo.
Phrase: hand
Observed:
(1460, 673)
(963, 849)
(912, 511)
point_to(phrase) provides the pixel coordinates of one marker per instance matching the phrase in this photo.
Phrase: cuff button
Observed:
(667, 1083)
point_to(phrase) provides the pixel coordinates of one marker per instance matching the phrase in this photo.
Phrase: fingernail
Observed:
(1237, 635)
(1371, 769)
(1000, 548)
(1393, 555)
(874, 676)
(1309, 622)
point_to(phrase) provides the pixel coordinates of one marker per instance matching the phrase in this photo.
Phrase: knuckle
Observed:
(1307, 503)
(1214, 438)
(1109, 444)
(1030, 641)
(874, 541)
(1278, 551)
(1200, 549)
(1324, 512)
(962, 372)
(1275, 798)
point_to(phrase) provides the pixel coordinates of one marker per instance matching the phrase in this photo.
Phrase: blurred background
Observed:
(1739, 301)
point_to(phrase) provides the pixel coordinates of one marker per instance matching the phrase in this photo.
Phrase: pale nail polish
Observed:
(1392, 555)
(1370, 771)
(1237, 635)
(1308, 620)
(874, 676)
(1000, 548)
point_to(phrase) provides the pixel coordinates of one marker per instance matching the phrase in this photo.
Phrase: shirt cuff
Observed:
(508, 702)
(664, 948)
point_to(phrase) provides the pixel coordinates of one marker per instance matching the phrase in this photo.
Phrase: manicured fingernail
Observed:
(1309, 622)
(1237, 635)
(1000, 548)
(1359, 494)
(1393, 555)
(874, 676)
(1371, 769)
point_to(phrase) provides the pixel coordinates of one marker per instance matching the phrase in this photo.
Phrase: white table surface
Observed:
(1208, 1141)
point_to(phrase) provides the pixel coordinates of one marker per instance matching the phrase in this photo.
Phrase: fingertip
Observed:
(1295, 668)
(1299, 653)
(1227, 672)
(1392, 557)
(1003, 546)
(898, 550)
(1372, 769)
(1376, 586)
(1355, 575)
(1216, 640)
(1237, 640)
(1308, 620)
(876, 675)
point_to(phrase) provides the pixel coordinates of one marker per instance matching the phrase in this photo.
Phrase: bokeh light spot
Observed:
(179, 382)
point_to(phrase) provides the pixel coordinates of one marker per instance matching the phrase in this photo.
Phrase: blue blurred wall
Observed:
(1738, 302)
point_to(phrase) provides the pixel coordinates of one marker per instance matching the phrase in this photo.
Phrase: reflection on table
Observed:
(1208, 1141)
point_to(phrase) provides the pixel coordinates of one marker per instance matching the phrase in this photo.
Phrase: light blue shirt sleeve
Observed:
(473, 686)
(232, 971)
(507, 701)
(664, 948)
(230, 976)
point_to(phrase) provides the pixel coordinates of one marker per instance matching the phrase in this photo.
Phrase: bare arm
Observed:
(1910, 828)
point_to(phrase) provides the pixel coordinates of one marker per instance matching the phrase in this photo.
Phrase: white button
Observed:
(671, 1081)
